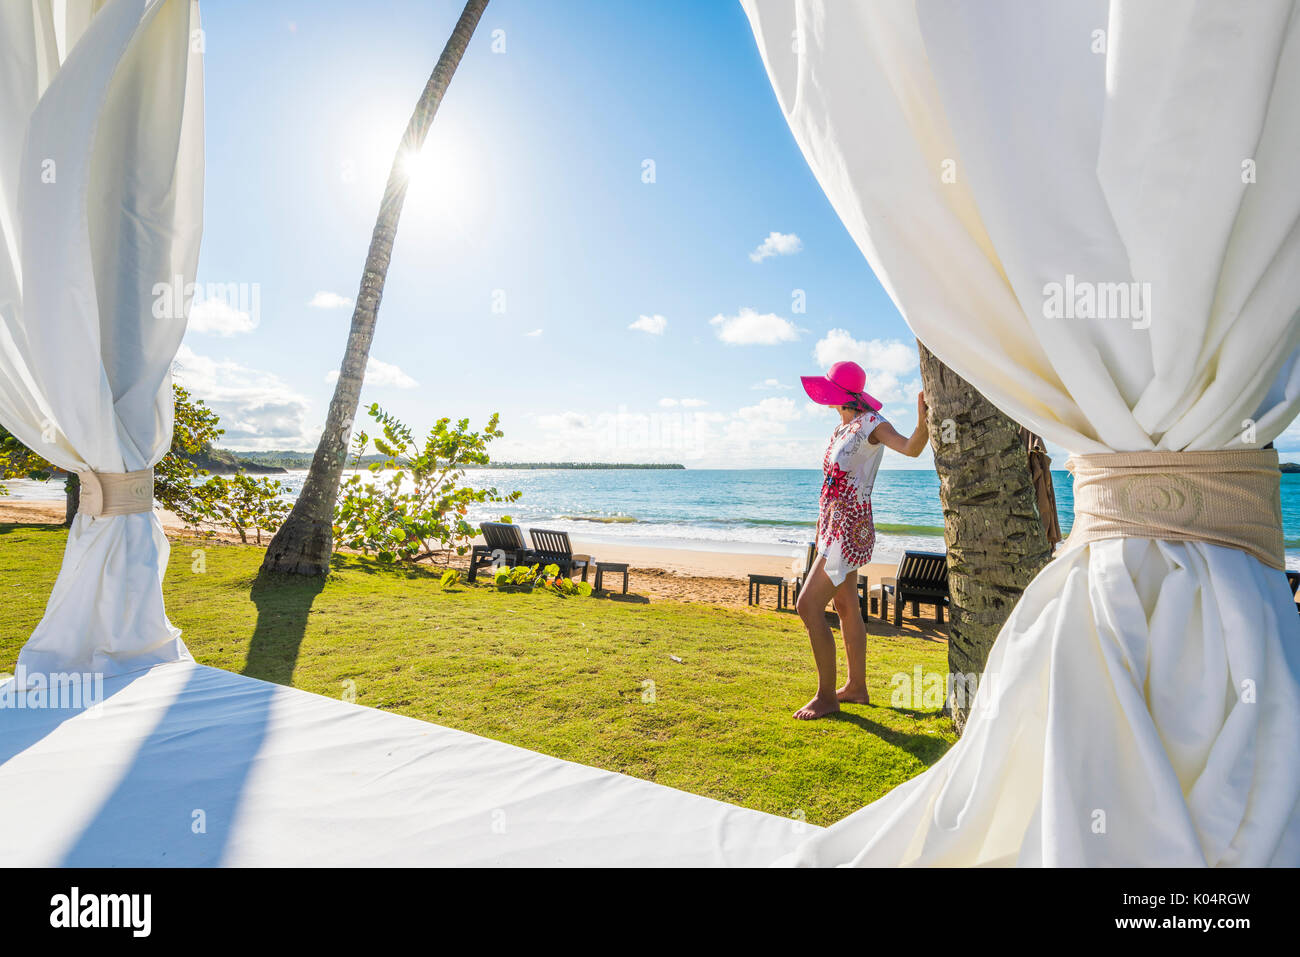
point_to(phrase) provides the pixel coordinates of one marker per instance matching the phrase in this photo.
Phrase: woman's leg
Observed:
(814, 596)
(854, 630)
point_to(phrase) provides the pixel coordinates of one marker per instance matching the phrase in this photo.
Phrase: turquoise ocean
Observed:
(768, 511)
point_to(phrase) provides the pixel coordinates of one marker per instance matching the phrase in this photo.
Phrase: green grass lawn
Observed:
(564, 676)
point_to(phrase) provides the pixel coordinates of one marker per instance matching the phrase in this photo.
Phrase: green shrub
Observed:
(528, 577)
(418, 508)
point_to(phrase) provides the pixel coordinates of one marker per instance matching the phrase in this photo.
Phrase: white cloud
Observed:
(778, 432)
(329, 300)
(684, 403)
(565, 421)
(883, 355)
(257, 409)
(1287, 444)
(655, 325)
(382, 374)
(750, 328)
(535, 332)
(886, 361)
(772, 433)
(216, 317)
(775, 384)
(777, 244)
(774, 409)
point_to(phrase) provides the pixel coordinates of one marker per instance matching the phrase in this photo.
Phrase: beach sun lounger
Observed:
(921, 577)
(810, 557)
(504, 542)
(553, 548)
(807, 570)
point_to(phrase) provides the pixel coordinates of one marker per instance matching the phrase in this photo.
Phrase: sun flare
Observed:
(440, 179)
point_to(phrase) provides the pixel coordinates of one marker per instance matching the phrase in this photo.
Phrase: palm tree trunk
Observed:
(71, 497)
(305, 541)
(992, 527)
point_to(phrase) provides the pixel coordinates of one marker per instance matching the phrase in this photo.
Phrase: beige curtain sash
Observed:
(1230, 498)
(115, 493)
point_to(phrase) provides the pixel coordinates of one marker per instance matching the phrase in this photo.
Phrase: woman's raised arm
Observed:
(912, 446)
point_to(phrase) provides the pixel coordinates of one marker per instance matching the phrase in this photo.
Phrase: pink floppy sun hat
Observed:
(843, 384)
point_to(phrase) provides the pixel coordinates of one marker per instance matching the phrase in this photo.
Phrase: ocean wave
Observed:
(888, 527)
(601, 519)
(765, 522)
(893, 529)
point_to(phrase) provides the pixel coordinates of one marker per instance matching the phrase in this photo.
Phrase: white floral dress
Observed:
(846, 535)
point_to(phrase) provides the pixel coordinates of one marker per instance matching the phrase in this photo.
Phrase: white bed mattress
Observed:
(185, 765)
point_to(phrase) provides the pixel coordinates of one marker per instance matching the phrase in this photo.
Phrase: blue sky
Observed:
(530, 244)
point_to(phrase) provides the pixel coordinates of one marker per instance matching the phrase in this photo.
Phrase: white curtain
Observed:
(101, 183)
(1142, 704)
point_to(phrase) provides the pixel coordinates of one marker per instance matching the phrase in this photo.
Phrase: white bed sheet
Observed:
(185, 765)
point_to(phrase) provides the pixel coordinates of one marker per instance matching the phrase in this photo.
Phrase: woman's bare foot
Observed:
(818, 707)
(853, 695)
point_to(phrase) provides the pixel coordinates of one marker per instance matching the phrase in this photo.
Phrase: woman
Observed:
(845, 533)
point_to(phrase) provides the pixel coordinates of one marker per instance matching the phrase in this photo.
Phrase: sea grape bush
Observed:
(176, 478)
(241, 502)
(527, 577)
(247, 504)
(413, 505)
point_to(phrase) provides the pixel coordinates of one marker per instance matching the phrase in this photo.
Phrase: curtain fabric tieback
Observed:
(115, 493)
(1230, 498)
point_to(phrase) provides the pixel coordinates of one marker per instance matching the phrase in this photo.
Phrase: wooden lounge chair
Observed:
(921, 577)
(504, 541)
(553, 548)
(807, 570)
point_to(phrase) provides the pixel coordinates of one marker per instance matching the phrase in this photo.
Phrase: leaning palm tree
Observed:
(992, 526)
(305, 541)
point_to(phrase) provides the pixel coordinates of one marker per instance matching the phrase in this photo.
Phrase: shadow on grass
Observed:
(8, 527)
(372, 566)
(927, 630)
(926, 748)
(923, 630)
(283, 607)
(629, 599)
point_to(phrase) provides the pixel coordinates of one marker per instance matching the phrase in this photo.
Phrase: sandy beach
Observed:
(671, 574)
